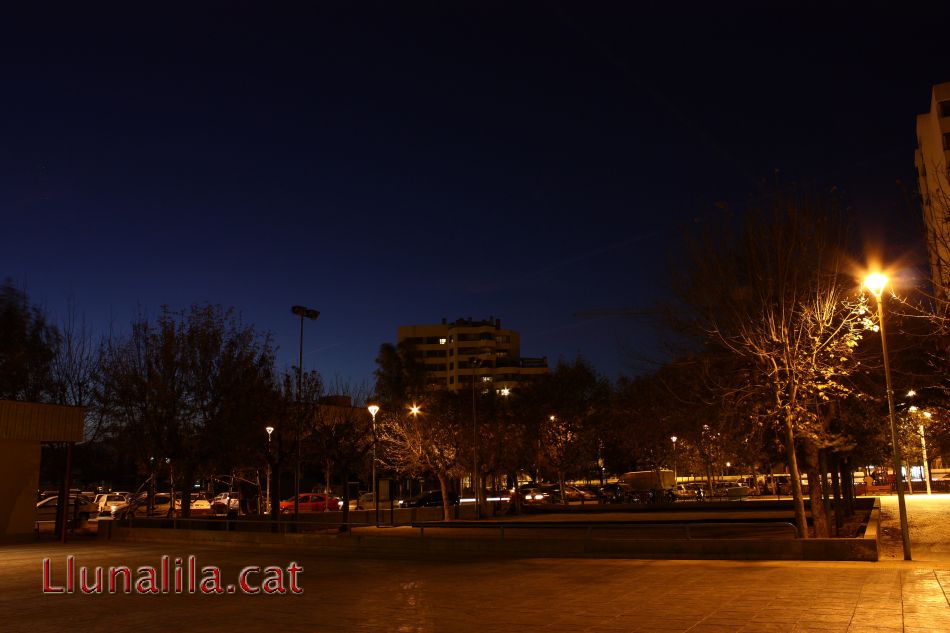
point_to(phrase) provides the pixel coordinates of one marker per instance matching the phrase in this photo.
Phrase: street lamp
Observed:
(923, 450)
(303, 313)
(875, 283)
(373, 410)
(673, 439)
(474, 362)
(269, 430)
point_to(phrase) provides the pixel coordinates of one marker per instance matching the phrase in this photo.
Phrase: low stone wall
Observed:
(480, 542)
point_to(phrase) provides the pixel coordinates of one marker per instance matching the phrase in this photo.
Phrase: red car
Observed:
(311, 502)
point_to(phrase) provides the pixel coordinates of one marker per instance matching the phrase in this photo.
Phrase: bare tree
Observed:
(430, 440)
(777, 294)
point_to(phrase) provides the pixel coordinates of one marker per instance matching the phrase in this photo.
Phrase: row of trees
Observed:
(182, 397)
(777, 368)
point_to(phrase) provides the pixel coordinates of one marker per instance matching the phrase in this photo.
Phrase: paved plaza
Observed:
(542, 594)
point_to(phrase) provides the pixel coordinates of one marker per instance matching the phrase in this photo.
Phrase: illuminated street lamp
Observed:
(269, 430)
(373, 410)
(875, 283)
(673, 439)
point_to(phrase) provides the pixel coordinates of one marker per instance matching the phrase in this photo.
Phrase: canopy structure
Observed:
(24, 426)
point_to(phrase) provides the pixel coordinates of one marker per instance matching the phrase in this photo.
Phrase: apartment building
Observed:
(933, 148)
(454, 354)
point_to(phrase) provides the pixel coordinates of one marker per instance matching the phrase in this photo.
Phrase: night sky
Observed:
(395, 163)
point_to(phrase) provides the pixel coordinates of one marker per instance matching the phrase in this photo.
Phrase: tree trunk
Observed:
(798, 500)
(560, 483)
(825, 486)
(847, 486)
(819, 518)
(446, 506)
(187, 477)
(816, 489)
(836, 488)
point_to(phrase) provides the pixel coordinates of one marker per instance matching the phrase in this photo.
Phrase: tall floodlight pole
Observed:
(373, 410)
(303, 313)
(876, 283)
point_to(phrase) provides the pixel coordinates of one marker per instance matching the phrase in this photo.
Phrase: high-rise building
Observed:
(454, 354)
(933, 149)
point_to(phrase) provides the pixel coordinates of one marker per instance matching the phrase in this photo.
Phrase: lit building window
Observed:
(486, 378)
(441, 341)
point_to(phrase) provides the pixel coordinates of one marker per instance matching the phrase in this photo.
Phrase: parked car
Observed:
(731, 489)
(200, 504)
(311, 502)
(80, 507)
(226, 503)
(138, 507)
(111, 504)
(579, 493)
(537, 494)
(428, 499)
(617, 492)
(683, 491)
(365, 502)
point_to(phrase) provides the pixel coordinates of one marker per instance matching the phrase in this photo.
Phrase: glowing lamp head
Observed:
(373, 410)
(673, 438)
(414, 409)
(875, 283)
(269, 430)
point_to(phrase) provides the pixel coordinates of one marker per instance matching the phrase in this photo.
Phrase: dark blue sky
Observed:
(390, 165)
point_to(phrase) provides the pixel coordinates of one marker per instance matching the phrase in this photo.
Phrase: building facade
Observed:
(933, 149)
(456, 354)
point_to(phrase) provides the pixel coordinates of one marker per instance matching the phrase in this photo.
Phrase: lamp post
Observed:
(923, 452)
(303, 313)
(474, 362)
(673, 439)
(269, 430)
(876, 283)
(373, 410)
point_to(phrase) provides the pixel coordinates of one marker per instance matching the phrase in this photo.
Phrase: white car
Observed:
(80, 507)
(226, 503)
(200, 504)
(110, 504)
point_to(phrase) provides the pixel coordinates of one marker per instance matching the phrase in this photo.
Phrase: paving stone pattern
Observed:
(526, 595)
